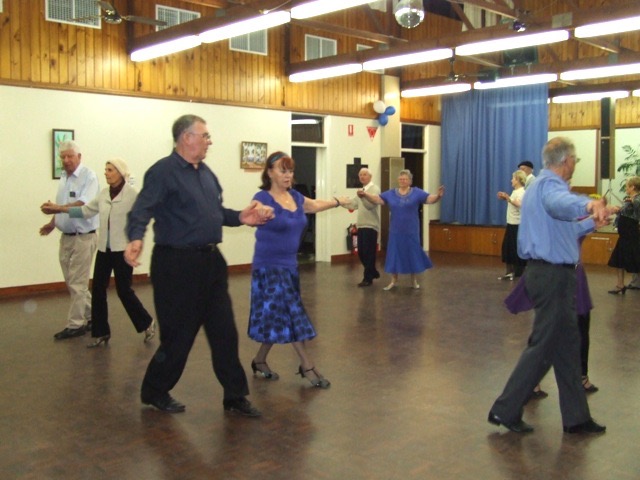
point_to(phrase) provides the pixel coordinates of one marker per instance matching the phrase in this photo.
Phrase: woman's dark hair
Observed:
(287, 162)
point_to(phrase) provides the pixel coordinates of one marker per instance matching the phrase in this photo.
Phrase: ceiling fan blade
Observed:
(106, 6)
(148, 21)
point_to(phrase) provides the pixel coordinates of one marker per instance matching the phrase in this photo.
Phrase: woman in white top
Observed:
(515, 265)
(112, 204)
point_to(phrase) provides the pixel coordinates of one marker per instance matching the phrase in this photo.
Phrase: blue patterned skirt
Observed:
(277, 314)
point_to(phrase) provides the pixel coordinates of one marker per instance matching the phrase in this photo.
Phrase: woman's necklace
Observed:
(283, 199)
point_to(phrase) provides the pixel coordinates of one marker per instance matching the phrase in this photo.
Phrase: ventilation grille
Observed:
(76, 12)
(319, 47)
(174, 16)
(255, 42)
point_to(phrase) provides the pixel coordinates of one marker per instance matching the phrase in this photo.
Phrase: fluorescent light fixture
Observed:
(517, 81)
(321, 7)
(327, 72)
(244, 27)
(436, 90)
(589, 97)
(636, 93)
(608, 28)
(514, 41)
(165, 48)
(601, 72)
(408, 59)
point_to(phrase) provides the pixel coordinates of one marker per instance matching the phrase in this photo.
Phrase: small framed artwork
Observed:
(59, 136)
(253, 155)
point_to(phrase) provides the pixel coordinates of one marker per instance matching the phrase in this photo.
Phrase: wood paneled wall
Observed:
(36, 52)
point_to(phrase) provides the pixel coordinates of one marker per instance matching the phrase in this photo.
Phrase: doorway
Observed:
(414, 162)
(305, 183)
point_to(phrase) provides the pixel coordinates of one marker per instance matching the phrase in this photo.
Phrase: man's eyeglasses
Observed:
(205, 135)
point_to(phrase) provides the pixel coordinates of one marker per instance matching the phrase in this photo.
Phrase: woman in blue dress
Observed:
(404, 252)
(277, 314)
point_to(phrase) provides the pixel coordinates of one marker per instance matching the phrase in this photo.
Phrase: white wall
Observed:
(139, 130)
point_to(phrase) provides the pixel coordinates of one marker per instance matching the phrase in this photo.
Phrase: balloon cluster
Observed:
(383, 112)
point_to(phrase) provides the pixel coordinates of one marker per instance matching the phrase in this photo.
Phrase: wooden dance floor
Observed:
(413, 373)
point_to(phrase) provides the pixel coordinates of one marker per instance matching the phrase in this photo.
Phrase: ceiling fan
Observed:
(110, 15)
(453, 77)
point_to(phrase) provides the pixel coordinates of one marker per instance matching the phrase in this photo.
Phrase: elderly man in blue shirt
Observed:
(188, 272)
(78, 186)
(553, 219)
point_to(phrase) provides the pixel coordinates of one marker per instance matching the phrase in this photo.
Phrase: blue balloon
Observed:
(383, 119)
(390, 111)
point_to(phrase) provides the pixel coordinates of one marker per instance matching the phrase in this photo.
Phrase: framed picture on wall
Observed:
(253, 155)
(59, 135)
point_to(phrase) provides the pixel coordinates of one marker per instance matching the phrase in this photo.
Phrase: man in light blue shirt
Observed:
(548, 240)
(78, 185)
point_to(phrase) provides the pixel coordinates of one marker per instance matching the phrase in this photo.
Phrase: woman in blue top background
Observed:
(404, 251)
(277, 314)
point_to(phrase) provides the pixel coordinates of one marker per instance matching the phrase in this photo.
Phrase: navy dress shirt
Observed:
(186, 203)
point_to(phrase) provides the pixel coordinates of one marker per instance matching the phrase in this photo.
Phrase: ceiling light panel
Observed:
(589, 97)
(328, 72)
(517, 81)
(165, 48)
(408, 59)
(322, 7)
(244, 27)
(436, 90)
(608, 28)
(601, 72)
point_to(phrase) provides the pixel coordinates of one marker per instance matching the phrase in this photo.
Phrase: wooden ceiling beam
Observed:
(490, 7)
(350, 32)
(211, 3)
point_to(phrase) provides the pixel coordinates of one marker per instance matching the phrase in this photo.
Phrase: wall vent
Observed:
(319, 47)
(174, 16)
(85, 13)
(255, 42)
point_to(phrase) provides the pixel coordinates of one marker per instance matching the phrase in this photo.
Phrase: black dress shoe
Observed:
(517, 427)
(70, 333)
(376, 275)
(241, 406)
(166, 403)
(365, 283)
(587, 427)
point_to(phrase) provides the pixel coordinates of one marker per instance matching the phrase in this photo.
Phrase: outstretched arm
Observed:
(315, 205)
(377, 199)
(435, 197)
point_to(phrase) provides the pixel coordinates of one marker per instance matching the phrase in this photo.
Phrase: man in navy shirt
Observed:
(188, 272)
(548, 240)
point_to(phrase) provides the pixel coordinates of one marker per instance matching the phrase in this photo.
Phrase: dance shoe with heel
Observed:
(266, 372)
(390, 286)
(588, 386)
(150, 332)
(319, 381)
(618, 291)
(99, 341)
